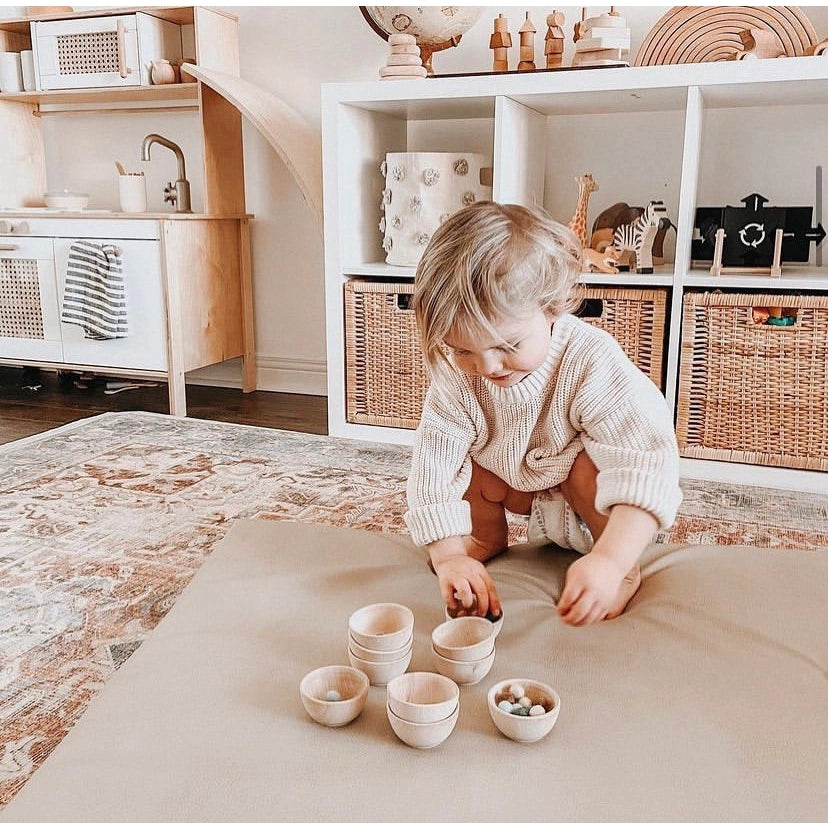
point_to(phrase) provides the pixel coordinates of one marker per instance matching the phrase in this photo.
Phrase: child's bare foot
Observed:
(629, 586)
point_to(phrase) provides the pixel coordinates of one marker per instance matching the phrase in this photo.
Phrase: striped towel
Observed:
(94, 291)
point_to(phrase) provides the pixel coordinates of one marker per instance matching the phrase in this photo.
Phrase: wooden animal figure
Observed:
(609, 220)
(638, 237)
(499, 42)
(604, 262)
(554, 41)
(527, 46)
(578, 222)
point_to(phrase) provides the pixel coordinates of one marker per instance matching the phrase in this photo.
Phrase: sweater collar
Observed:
(533, 385)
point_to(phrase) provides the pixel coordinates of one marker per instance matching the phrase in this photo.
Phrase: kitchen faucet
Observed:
(178, 193)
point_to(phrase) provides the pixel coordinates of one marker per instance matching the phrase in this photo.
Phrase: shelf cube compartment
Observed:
(751, 392)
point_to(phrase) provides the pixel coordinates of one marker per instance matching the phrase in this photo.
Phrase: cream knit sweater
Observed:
(587, 395)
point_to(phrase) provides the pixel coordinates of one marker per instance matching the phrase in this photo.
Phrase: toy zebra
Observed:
(639, 235)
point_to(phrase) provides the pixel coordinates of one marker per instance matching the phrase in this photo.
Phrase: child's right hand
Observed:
(465, 582)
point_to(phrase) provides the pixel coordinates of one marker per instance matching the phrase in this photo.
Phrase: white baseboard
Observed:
(282, 374)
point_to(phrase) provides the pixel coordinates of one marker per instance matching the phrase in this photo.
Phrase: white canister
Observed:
(132, 189)
(11, 76)
(28, 69)
(422, 189)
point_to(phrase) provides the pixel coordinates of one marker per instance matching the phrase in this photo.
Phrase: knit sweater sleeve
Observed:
(441, 469)
(627, 431)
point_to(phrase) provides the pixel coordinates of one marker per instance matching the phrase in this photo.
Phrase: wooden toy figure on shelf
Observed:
(603, 261)
(554, 41)
(638, 237)
(499, 42)
(527, 46)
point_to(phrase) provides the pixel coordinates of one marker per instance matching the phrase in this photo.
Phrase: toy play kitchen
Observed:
(131, 291)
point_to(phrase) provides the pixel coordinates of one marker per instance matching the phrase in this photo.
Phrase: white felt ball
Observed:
(525, 701)
(537, 710)
(517, 691)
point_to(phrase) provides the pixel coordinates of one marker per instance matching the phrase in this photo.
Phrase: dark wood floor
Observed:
(25, 409)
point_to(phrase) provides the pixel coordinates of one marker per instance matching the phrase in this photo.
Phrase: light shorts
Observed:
(553, 519)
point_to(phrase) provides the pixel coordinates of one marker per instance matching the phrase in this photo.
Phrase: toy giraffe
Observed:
(578, 222)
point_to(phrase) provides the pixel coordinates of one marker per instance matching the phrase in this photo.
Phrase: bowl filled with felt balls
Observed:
(334, 695)
(525, 710)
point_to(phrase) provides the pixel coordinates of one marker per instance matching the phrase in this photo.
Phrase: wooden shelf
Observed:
(792, 278)
(107, 97)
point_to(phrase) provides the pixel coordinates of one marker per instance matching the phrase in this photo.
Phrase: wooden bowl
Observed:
(378, 656)
(382, 626)
(497, 623)
(464, 639)
(352, 686)
(380, 673)
(463, 672)
(525, 728)
(421, 735)
(422, 698)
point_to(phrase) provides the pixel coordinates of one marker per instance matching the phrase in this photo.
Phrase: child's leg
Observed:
(489, 497)
(580, 490)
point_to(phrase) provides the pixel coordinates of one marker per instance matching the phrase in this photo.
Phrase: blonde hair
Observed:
(487, 262)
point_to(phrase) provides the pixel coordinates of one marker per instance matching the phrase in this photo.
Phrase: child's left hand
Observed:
(592, 584)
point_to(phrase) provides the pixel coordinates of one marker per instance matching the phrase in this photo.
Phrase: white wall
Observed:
(289, 50)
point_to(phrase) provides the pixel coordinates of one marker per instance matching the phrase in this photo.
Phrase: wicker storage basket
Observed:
(385, 377)
(635, 318)
(753, 393)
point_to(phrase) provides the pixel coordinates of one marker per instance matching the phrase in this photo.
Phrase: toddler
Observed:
(534, 411)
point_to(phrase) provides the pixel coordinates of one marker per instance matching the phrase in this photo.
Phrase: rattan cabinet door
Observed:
(29, 324)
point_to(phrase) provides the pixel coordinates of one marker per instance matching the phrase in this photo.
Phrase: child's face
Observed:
(520, 348)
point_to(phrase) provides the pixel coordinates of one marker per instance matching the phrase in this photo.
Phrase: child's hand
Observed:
(592, 584)
(464, 581)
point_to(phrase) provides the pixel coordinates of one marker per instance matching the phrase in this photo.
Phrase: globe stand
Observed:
(426, 52)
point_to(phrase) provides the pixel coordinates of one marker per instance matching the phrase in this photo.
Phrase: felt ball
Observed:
(519, 710)
(505, 706)
(537, 710)
(525, 701)
(333, 695)
(517, 690)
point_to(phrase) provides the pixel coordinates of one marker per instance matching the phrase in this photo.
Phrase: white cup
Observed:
(27, 65)
(132, 189)
(11, 75)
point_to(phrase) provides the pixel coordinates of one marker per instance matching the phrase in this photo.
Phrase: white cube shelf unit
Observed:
(690, 135)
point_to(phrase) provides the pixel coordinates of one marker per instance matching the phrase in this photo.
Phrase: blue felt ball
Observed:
(332, 695)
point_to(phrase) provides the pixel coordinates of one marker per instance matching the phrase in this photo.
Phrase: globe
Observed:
(435, 27)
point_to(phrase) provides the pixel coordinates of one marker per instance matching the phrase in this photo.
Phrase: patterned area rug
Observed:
(103, 522)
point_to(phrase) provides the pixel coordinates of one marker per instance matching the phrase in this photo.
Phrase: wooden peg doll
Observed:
(554, 41)
(499, 42)
(527, 46)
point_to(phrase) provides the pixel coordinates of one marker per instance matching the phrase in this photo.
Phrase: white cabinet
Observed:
(145, 347)
(691, 135)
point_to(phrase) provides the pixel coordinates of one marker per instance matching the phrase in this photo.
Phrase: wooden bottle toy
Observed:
(499, 42)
